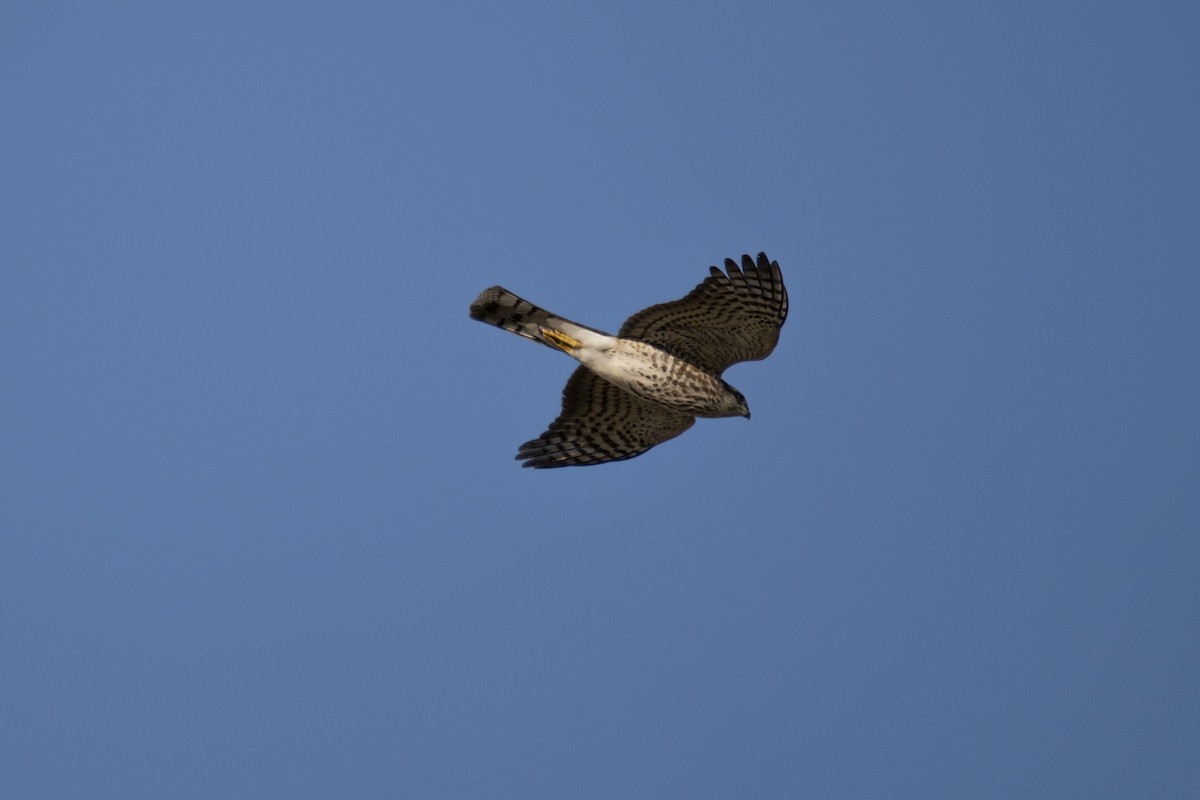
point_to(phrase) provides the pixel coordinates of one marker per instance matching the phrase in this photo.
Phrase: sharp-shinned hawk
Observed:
(663, 369)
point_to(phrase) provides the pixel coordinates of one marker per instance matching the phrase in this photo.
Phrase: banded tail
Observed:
(502, 308)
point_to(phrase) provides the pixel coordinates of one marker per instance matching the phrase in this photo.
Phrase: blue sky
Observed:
(263, 533)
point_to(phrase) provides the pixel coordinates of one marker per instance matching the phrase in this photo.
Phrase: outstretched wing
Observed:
(601, 422)
(726, 319)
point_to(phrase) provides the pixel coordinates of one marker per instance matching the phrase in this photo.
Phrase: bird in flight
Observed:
(663, 369)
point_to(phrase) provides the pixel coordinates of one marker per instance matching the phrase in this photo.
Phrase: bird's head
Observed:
(737, 403)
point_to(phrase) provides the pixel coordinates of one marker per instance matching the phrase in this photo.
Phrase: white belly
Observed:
(652, 374)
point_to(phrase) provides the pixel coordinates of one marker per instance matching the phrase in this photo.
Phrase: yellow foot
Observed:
(561, 340)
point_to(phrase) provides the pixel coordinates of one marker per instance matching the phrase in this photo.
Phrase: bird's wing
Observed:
(726, 319)
(601, 422)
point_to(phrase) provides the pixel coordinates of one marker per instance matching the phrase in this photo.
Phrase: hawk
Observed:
(663, 369)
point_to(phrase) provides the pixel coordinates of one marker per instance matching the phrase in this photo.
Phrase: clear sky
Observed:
(262, 530)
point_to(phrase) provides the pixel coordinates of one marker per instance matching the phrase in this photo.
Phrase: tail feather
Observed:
(500, 307)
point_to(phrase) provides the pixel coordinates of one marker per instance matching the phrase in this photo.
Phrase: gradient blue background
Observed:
(263, 535)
